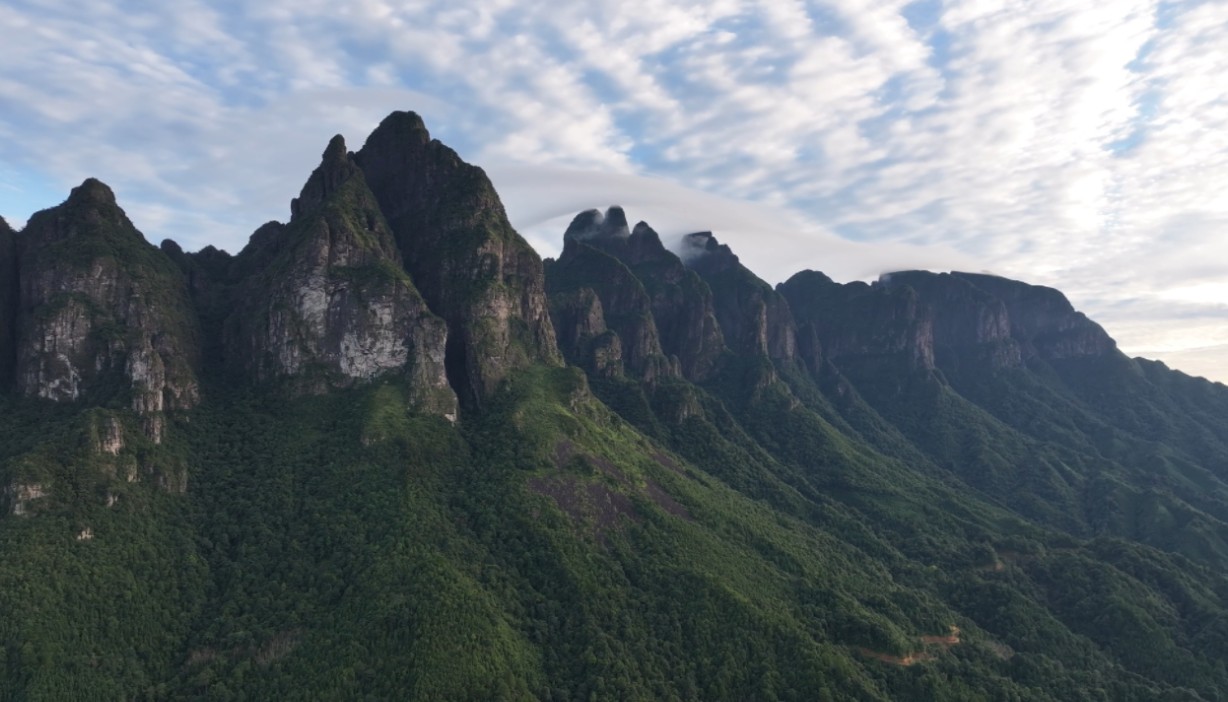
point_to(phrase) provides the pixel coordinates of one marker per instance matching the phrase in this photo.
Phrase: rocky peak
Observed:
(98, 303)
(323, 302)
(644, 246)
(471, 267)
(92, 192)
(755, 319)
(624, 307)
(705, 255)
(681, 302)
(593, 225)
(334, 170)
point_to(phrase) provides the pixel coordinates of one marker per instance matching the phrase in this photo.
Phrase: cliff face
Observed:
(8, 304)
(969, 323)
(681, 303)
(592, 292)
(756, 320)
(327, 302)
(471, 267)
(584, 339)
(859, 321)
(932, 318)
(1043, 321)
(100, 311)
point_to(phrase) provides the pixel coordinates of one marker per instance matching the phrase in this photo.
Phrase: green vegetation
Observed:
(336, 547)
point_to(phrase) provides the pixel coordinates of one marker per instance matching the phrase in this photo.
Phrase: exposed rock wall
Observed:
(327, 303)
(583, 275)
(471, 267)
(101, 311)
(680, 301)
(755, 319)
(8, 304)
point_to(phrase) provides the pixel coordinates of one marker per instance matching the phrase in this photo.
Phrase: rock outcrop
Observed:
(1043, 321)
(593, 292)
(324, 302)
(8, 304)
(471, 267)
(935, 319)
(681, 303)
(968, 323)
(856, 321)
(755, 318)
(584, 339)
(101, 313)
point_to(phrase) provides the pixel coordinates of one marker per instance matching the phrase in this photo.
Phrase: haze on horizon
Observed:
(1078, 145)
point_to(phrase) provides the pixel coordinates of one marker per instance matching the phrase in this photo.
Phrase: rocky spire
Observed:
(96, 303)
(472, 268)
(326, 303)
(592, 225)
(334, 170)
(755, 319)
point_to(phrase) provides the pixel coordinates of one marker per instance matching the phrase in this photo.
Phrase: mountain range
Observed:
(387, 452)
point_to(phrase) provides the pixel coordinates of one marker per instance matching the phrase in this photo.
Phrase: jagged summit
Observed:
(703, 253)
(327, 303)
(94, 191)
(592, 225)
(470, 265)
(101, 313)
(682, 323)
(335, 169)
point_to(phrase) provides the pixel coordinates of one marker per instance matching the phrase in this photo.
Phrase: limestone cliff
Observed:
(471, 267)
(101, 313)
(969, 323)
(584, 339)
(936, 319)
(323, 301)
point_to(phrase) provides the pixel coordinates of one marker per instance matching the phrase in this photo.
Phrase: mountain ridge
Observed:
(386, 451)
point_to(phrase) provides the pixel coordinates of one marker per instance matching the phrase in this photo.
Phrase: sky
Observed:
(1081, 145)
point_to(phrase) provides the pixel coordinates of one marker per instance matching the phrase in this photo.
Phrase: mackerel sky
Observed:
(1073, 143)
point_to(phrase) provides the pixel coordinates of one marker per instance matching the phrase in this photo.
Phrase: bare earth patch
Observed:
(666, 501)
(595, 502)
(590, 502)
(941, 643)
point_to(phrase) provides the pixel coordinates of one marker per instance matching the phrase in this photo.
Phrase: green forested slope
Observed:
(338, 548)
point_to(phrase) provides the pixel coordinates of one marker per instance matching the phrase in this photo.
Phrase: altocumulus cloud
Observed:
(1074, 144)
